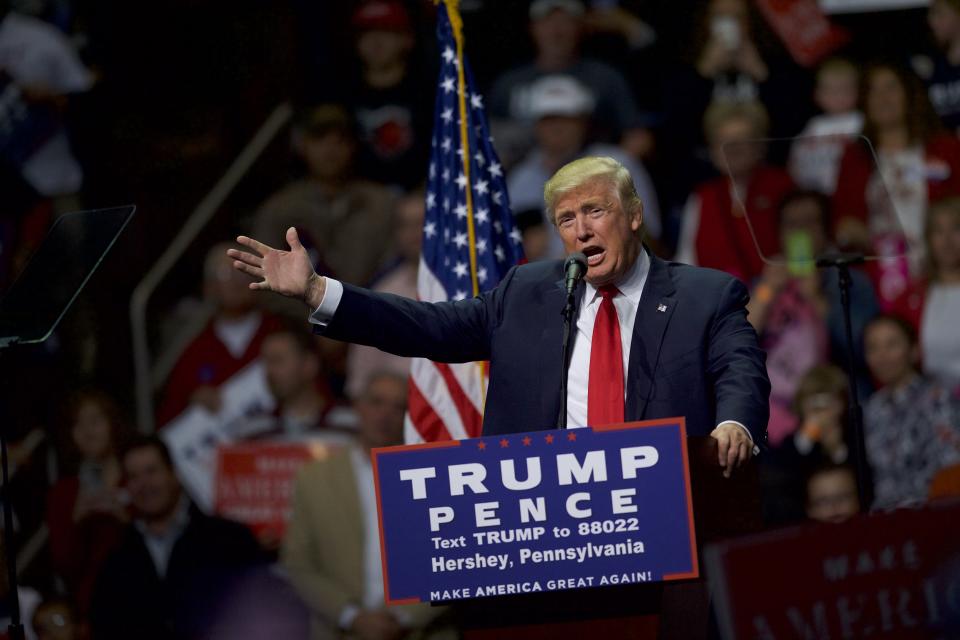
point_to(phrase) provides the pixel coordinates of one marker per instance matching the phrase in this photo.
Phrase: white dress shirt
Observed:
(631, 287)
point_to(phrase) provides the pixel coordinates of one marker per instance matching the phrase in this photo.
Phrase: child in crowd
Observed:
(815, 154)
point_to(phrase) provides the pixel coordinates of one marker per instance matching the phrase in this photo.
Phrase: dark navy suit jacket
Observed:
(698, 357)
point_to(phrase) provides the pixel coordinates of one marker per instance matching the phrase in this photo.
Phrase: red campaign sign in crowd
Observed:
(254, 482)
(886, 575)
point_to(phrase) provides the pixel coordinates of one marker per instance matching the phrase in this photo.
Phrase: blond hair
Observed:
(579, 172)
(720, 112)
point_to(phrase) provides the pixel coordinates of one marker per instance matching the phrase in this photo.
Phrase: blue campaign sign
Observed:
(538, 511)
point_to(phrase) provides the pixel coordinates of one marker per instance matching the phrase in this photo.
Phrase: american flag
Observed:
(469, 241)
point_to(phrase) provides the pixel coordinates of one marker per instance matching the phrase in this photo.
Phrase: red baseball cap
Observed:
(386, 15)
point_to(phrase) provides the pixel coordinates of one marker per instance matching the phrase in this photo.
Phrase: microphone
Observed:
(575, 267)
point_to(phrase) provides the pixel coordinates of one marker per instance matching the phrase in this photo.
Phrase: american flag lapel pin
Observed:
(662, 308)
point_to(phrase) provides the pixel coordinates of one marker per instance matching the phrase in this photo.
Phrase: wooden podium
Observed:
(723, 507)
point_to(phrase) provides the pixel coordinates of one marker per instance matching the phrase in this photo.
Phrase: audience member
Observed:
(932, 304)
(797, 310)
(557, 28)
(399, 279)
(86, 509)
(716, 231)
(332, 547)
(229, 341)
(175, 566)
(731, 63)
(820, 407)
(292, 366)
(941, 71)
(815, 154)
(880, 207)
(391, 96)
(39, 72)
(57, 619)
(832, 493)
(911, 425)
(535, 233)
(29, 597)
(562, 108)
(343, 221)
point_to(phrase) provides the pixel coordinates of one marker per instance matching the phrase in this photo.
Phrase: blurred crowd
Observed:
(748, 158)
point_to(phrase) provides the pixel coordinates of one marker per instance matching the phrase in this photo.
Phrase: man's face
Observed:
(380, 411)
(944, 22)
(153, 486)
(380, 48)
(328, 156)
(832, 496)
(287, 368)
(561, 135)
(592, 219)
(557, 33)
(229, 288)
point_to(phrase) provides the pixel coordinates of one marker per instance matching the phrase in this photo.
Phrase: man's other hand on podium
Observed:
(734, 446)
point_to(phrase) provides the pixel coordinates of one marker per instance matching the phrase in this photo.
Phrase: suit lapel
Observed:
(657, 304)
(551, 337)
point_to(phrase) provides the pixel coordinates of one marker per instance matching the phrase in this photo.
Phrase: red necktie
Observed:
(605, 387)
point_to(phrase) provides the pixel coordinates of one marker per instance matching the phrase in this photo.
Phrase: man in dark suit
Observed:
(175, 567)
(652, 339)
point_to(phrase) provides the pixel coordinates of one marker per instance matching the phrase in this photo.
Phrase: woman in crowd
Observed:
(932, 303)
(911, 425)
(880, 201)
(85, 509)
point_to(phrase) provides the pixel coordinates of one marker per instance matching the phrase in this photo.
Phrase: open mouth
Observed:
(594, 255)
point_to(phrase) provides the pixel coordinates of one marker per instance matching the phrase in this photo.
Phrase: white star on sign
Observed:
(498, 251)
(431, 201)
(482, 246)
(476, 101)
(448, 54)
(460, 269)
(447, 84)
(445, 145)
(433, 169)
(445, 175)
(480, 159)
(447, 115)
(460, 239)
(459, 295)
(497, 196)
(482, 186)
(483, 216)
(495, 169)
(482, 275)
(515, 236)
(446, 204)
(462, 181)
(460, 210)
(497, 226)
(430, 229)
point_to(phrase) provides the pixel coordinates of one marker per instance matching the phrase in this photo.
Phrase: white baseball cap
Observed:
(559, 95)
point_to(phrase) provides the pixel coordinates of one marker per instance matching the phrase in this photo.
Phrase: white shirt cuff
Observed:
(332, 294)
(347, 616)
(756, 449)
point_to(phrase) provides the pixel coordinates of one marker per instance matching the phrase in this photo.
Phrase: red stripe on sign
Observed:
(426, 421)
(471, 418)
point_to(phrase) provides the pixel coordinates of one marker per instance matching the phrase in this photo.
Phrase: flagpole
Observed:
(456, 23)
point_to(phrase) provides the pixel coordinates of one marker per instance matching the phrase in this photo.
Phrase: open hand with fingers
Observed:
(288, 273)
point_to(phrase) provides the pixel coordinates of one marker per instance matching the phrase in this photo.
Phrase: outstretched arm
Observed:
(288, 273)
